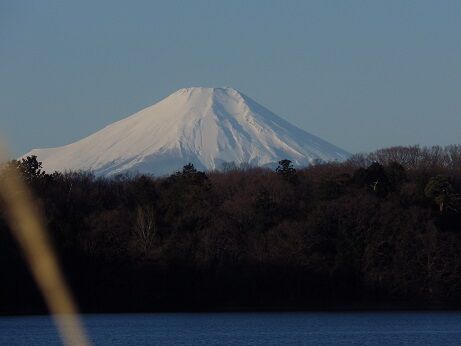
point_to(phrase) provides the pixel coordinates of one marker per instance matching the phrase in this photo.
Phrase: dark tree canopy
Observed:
(364, 233)
(29, 167)
(286, 170)
(440, 189)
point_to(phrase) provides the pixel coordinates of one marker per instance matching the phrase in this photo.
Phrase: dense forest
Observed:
(382, 230)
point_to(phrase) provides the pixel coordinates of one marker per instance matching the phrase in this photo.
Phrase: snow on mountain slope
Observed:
(205, 126)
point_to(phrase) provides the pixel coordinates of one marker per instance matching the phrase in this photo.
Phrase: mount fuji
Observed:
(204, 126)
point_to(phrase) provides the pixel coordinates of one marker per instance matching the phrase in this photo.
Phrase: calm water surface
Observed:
(364, 328)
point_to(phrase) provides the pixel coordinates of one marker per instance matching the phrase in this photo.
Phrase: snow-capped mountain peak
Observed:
(204, 126)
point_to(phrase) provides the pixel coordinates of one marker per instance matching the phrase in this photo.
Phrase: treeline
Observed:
(380, 230)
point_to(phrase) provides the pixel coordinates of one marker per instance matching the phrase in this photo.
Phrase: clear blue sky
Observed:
(361, 74)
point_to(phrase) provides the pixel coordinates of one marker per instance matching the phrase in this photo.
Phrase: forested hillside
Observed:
(380, 230)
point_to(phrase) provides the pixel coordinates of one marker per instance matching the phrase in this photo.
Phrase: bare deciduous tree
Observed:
(145, 228)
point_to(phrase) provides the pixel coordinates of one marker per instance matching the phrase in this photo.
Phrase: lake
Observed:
(312, 328)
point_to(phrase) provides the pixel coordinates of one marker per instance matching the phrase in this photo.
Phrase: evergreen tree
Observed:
(287, 171)
(441, 191)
